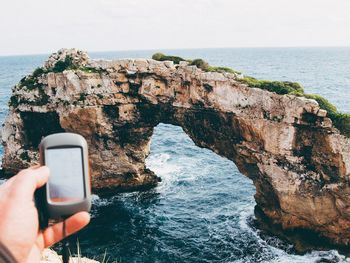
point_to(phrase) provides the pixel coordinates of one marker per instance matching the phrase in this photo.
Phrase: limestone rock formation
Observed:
(299, 163)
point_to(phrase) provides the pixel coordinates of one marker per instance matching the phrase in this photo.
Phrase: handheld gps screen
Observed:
(66, 180)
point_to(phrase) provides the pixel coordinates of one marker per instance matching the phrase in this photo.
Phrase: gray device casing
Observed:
(61, 141)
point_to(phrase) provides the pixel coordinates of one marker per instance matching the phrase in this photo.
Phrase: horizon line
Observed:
(175, 49)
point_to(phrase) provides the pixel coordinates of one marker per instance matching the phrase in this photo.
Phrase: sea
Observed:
(202, 211)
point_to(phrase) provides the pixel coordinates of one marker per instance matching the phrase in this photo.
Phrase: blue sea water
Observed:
(203, 208)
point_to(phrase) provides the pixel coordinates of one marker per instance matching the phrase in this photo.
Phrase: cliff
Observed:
(299, 162)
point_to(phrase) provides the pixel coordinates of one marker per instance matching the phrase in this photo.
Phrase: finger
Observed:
(13, 178)
(54, 234)
(35, 166)
(6, 187)
(28, 180)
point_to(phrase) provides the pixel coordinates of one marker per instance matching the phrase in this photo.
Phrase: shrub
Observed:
(162, 57)
(29, 82)
(43, 99)
(158, 56)
(322, 102)
(200, 63)
(38, 72)
(62, 65)
(14, 101)
(279, 87)
(342, 122)
(68, 64)
(222, 69)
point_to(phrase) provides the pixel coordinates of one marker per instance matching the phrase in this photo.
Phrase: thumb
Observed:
(28, 180)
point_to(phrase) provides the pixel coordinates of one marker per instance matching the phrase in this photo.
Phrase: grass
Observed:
(340, 120)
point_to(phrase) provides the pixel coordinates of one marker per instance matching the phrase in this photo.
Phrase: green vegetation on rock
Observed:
(162, 57)
(14, 101)
(222, 69)
(32, 82)
(68, 64)
(65, 64)
(322, 102)
(279, 87)
(198, 62)
(340, 120)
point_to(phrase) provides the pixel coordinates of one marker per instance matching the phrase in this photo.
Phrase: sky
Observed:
(44, 26)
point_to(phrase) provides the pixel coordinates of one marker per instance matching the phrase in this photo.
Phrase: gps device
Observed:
(68, 189)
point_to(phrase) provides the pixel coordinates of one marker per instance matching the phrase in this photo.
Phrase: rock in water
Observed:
(299, 162)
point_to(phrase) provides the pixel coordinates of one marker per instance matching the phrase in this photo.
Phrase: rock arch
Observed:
(299, 163)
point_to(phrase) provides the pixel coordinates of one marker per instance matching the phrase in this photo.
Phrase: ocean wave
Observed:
(98, 201)
(280, 255)
(161, 165)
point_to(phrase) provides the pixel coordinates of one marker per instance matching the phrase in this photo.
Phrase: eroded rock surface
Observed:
(299, 163)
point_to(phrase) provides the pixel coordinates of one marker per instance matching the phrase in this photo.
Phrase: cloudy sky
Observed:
(43, 26)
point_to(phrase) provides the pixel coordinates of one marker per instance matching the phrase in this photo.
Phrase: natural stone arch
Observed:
(299, 163)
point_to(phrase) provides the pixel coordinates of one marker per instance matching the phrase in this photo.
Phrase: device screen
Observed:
(66, 180)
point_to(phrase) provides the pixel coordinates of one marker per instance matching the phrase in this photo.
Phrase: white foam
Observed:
(98, 201)
(282, 256)
(159, 163)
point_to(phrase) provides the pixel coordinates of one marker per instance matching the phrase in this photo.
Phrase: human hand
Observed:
(19, 224)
